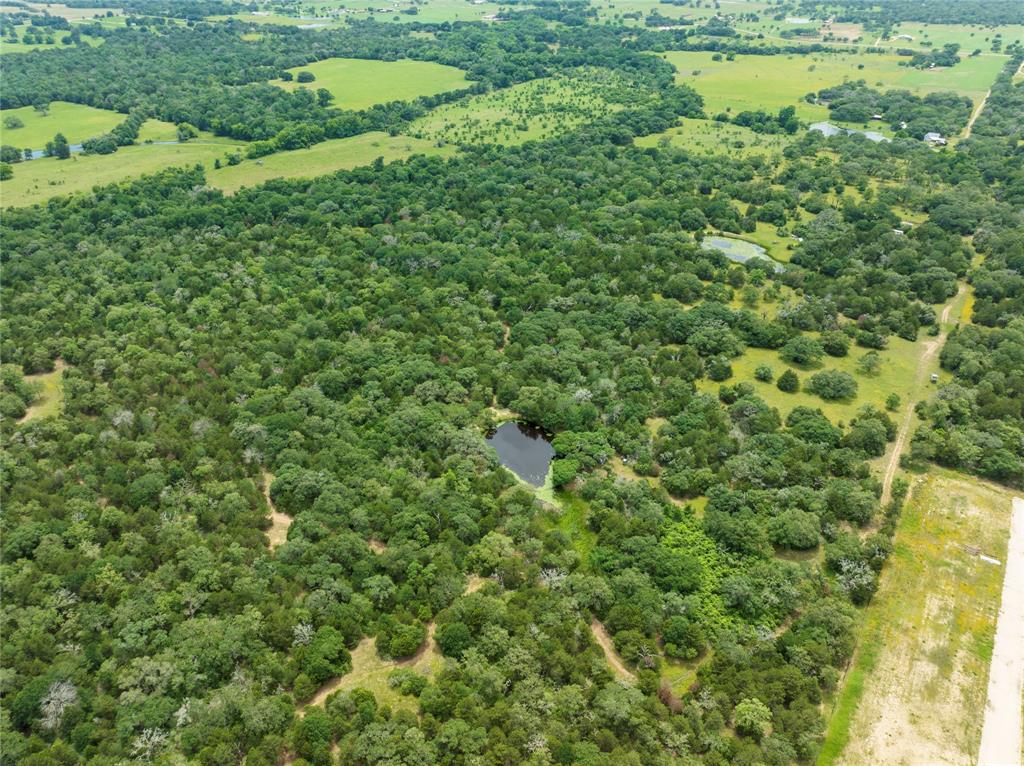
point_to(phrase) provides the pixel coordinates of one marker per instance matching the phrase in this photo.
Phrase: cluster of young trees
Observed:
(943, 112)
(760, 121)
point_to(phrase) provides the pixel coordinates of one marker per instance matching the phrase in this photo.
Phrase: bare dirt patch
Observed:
(1001, 737)
(279, 522)
(377, 546)
(929, 629)
(608, 647)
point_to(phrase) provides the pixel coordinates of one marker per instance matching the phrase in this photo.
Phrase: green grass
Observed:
(320, 159)
(38, 180)
(772, 82)
(50, 399)
(8, 47)
(572, 520)
(370, 672)
(158, 130)
(360, 83)
(76, 121)
(968, 36)
(897, 375)
(925, 640)
(537, 109)
(41, 179)
(710, 137)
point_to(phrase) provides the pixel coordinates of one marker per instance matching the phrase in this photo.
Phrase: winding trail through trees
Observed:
(608, 647)
(929, 350)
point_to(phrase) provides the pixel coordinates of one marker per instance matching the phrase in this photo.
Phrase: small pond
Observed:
(834, 130)
(739, 250)
(524, 450)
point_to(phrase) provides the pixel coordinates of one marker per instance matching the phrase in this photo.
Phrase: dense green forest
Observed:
(341, 346)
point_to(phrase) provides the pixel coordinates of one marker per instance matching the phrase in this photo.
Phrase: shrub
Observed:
(788, 382)
(801, 350)
(305, 77)
(764, 373)
(835, 343)
(832, 385)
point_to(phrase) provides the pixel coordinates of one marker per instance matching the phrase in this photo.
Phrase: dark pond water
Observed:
(525, 451)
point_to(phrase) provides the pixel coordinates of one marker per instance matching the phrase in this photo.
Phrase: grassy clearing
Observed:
(6, 46)
(50, 400)
(320, 159)
(360, 83)
(896, 375)
(39, 180)
(772, 82)
(537, 109)
(75, 121)
(370, 672)
(710, 137)
(572, 520)
(158, 130)
(968, 36)
(918, 682)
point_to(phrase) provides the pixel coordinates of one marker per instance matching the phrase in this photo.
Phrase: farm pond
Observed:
(524, 450)
(739, 250)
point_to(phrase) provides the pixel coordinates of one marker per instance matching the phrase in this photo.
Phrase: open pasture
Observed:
(320, 159)
(537, 109)
(773, 82)
(915, 692)
(40, 179)
(361, 83)
(76, 121)
(7, 46)
(710, 137)
(968, 36)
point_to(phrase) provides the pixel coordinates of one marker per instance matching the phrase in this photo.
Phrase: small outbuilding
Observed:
(935, 139)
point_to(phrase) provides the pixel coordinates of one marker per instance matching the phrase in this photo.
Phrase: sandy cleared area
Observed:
(608, 647)
(929, 629)
(1001, 735)
(279, 522)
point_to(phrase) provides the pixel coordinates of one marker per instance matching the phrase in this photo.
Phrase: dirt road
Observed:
(930, 350)
(975, 113)
(1001, 737)
(608, 647)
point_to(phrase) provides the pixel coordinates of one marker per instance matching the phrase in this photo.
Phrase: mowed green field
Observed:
(322, 158)
(772, 82)
(361, 83)
(710, 137)
(75, 121)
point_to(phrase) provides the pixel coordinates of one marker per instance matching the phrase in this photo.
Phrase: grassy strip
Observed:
(846, 704)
